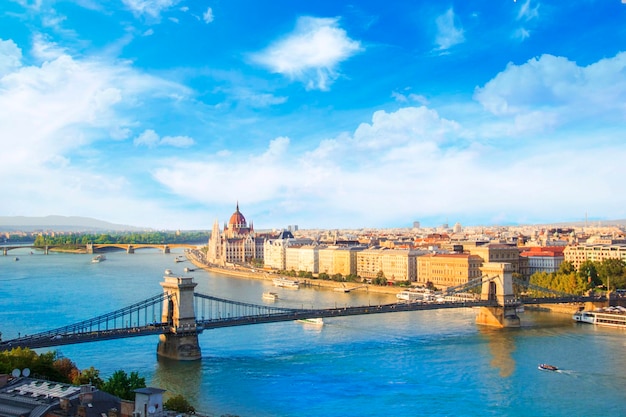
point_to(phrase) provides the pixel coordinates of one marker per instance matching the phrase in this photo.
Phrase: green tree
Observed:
(611, 272)
(88, 376)
(324, 276)
(588, 270)
(179, 404)
(566, 267)
(122, 385)
(337, 277)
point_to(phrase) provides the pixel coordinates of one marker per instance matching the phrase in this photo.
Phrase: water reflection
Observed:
(184, 378)
(501, 346)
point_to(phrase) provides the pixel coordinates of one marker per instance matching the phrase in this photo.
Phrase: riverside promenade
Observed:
(250, 273)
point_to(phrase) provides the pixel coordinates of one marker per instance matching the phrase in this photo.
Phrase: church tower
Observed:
(214, 252)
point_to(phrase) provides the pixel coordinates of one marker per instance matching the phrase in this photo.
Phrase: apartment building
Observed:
(302, 258)
(448, 270)
(395, 264)
(542, 259)
(339, 260)
(596, 253)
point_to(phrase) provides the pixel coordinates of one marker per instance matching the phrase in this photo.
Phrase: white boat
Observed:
(318, 321)
(179, 259)
(272, 296)
(461, 297)
(168, 272)
(609, 317)
(415, 294)
(286, 283)
(98, 258)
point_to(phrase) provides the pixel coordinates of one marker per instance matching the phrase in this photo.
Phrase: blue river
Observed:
(433, 363)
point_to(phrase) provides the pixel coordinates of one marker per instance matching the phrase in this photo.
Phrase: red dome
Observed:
(237, 219)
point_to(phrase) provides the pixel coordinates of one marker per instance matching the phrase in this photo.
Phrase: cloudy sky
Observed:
(324, 114)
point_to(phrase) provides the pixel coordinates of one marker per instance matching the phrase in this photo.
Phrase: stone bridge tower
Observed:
(181, 342)
(499, 289)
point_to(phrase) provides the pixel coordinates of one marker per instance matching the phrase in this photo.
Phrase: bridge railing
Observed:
(141, 314)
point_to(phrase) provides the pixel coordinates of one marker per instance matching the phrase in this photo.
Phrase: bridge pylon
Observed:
(181, 342)
(498, 288)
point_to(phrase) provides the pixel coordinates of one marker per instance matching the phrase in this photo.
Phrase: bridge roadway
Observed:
(50, 339)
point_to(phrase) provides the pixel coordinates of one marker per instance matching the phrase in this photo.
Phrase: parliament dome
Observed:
(237, 220)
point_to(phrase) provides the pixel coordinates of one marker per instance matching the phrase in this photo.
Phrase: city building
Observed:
(339, 260)
(275, 249)
(395, 264)
(496, 252)
(448, 270)
(302, 258)
(596, 253)
(237, 243)
(23, 396)
(542, 259)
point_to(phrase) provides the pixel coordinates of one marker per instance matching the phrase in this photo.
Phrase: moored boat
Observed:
(286, 283)
(609, 317)
(415, 294)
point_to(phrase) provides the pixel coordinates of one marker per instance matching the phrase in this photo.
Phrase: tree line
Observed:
(121, 238)
(607, 275)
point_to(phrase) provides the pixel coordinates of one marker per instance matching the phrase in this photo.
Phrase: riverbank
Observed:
(319, 283)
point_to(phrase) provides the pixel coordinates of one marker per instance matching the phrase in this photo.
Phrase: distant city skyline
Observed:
(330, 114)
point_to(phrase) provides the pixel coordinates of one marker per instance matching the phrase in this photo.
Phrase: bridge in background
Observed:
(98, 247)
(179, 314)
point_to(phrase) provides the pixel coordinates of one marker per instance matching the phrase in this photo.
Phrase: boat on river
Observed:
(98, 258)
(608, 317)
(546, 367)
(415, 294)
(270, 296)
(286, 283)
(318, 321)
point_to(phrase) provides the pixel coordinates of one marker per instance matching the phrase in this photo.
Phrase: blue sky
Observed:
(327, 114)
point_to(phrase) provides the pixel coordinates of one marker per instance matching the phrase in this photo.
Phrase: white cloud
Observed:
(57, 117)
(150, 8)
(521, 34)
(448, 34)
(151, 139)
(527, 12)
(46, 50)
(311, 53)
(208, 15)
(409, 98)
(559, 87)
(10, 57)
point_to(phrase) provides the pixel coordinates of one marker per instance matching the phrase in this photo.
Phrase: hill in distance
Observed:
(62, 223)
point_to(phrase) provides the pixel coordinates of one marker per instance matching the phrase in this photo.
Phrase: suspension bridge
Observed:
(183, 314)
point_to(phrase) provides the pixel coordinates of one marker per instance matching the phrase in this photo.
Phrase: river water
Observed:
(430, 363)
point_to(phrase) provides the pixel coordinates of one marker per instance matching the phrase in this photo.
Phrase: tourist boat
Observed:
(286, 283)
(415, 294)
(168, 272)
(318, 321)
(272, 296)
(546, 367)
(461, 297)
(179, 259)
(98, 258)
(610, 317)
